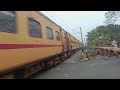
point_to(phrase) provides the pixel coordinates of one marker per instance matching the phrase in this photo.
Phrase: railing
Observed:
(100, 51)
(108, 50)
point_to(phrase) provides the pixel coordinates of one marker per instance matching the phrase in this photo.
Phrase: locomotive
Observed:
(30, 42)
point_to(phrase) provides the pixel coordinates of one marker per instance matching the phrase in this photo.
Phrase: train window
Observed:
(34, 28)
(7, 21)
(49, 33)
(58, 36)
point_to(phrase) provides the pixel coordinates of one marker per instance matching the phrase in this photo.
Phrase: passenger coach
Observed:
(30, 42)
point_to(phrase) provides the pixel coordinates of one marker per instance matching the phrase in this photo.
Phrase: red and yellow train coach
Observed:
(29, 42)
(74, 43)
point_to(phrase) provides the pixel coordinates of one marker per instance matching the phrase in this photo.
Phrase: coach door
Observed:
(69, 44)
(65, 42)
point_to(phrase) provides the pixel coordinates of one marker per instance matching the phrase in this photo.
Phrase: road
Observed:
(73, 68)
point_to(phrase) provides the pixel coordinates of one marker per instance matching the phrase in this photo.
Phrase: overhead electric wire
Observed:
(67, 24)
(51, 17)
(63, 23)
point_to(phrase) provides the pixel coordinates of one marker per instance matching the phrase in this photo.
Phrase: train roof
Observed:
(54, 23)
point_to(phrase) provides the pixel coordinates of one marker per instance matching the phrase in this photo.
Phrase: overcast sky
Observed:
(68, 20)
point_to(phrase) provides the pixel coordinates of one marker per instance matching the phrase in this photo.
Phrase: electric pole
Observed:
(81, 36)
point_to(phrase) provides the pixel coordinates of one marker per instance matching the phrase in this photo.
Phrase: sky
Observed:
(72, 20)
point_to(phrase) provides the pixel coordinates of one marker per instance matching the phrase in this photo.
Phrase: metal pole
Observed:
(81, 35)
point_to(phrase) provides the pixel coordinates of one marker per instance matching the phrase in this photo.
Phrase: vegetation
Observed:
(112, 17)
(110, 29)
(107, 32)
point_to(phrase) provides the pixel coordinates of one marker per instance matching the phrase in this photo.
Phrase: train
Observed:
(31, 42)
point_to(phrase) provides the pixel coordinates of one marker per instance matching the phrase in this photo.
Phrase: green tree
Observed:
(107, 32)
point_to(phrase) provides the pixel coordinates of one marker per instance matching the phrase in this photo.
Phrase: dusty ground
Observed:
(74, 68)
